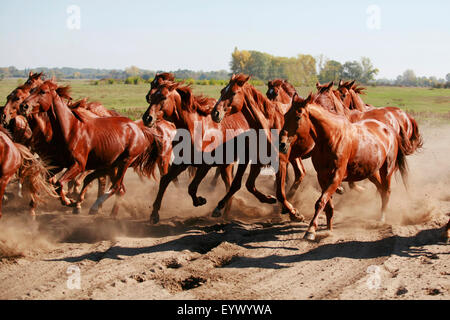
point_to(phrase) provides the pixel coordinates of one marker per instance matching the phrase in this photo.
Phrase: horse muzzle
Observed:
(24, 109)
(216, 116)
(284, 147)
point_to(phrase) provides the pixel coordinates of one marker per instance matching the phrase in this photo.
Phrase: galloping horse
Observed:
(17, 159)
(344, 151)
(106, 145)
(16, 97)
(394, 117)
(176, 103)
(240, 98)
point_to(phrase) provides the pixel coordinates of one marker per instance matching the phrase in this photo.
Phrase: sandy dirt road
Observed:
(255, 254)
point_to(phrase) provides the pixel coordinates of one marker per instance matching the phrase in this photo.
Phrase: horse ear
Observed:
(341, 82)
(30, 74)
(330, 85)
(350, 84)
(309, 99)
(317, 85)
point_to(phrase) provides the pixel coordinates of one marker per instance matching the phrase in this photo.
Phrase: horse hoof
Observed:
(154, 219)
(200, 201)
(216, 213)
(93, 212)
(271, 200)
(311, 236)
(296, 216)
(76, 210)
(285, 211)
(340, 190)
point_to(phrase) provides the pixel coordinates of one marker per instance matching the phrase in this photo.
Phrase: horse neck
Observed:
(262, 112)
(358, 103)
(324, 123)
(63, 116)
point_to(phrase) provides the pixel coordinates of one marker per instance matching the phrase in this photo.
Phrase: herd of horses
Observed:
(44, 133)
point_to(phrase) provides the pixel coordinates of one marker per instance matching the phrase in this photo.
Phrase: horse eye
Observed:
(298, 118)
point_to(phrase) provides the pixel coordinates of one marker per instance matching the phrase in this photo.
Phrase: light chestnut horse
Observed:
(344, 151)
(17, 159)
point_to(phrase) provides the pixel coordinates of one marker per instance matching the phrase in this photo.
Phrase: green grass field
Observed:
(130, 99)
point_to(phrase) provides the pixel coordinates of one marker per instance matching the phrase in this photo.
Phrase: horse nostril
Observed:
(149, 119)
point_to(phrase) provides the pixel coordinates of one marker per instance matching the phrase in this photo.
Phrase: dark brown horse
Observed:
(176, 103)
(17, 159)
(106, 145)
(240, 98)
(344, 151)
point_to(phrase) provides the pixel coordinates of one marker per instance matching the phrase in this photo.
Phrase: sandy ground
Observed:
(255, 254)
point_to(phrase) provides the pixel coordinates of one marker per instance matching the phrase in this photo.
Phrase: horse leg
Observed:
(200, 174)
(226, 173)
(235, 186)
(87, 180)
(101, 188)
(328, 189)
(3, 183)
(174, 171)
(118, 201)
(70, 174)
(329, 212)
(382, 182)
(281, 192)
(255, 170)
(446, 235)
(300, 173)
(216, 177)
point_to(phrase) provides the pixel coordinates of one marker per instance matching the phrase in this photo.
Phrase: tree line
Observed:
(302, 70)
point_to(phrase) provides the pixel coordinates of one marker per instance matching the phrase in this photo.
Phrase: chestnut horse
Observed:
(392, 116)
(176, 103)
(38, 134)
(240, 98)
(106, 145)
(17, 159)
(16, 97)
(344, 151)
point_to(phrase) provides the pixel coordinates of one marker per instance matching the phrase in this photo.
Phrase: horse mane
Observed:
(64, 92)
(166, 76)
(284, 84)
(261, 101)
(194, 103)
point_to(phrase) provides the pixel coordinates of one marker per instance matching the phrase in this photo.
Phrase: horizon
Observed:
(200, 35)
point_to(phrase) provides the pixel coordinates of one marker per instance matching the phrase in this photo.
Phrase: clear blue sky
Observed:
(201, 34)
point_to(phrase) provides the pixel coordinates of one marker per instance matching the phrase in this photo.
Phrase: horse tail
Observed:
(145, 163)
(404, 148)
(34, 174)
(415, 140)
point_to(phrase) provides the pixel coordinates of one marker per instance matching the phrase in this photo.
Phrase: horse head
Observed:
(15, 98)
(296, 122)
(232, 98)
(164, 99)
(41, 99)
(159, 78)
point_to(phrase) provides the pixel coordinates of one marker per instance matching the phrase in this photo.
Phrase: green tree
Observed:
(331, 71)
(368, 71)
(352, 70)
